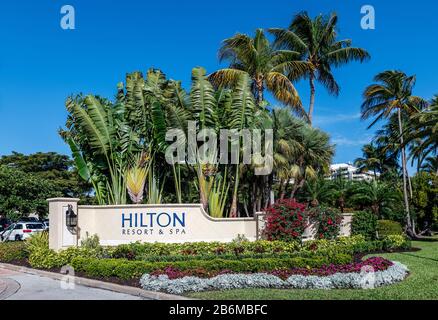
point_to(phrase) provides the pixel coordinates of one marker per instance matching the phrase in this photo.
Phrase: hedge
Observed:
(12, 251)
(140, 251)
(126, 269)
(364, 223)
(388, 227)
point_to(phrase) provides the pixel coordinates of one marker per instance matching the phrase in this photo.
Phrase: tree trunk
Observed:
(342, 204)
(259, 89)
(312, 97)
(233, 211)
(297, 186)
(405, 187)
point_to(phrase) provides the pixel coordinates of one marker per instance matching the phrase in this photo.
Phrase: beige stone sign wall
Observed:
(160, 223)
(150, 223)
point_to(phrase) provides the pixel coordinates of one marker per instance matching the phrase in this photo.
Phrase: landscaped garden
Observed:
(120, 156)
(283, 261)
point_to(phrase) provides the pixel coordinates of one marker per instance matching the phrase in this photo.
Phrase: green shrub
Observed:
(41, 257)
(388, 227)
(141, 251)
(396, 241)
(364, 223)
(125, 269)
(92, 242)
(12, 251)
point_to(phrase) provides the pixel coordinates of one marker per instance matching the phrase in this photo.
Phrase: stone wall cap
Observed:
(63, 200)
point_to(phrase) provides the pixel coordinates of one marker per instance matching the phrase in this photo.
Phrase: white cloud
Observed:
(324, 120)
(340, 140)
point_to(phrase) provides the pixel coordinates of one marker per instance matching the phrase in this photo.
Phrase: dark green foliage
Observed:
(23, 193)
(364, 223)
(53, 167)
(388, 227)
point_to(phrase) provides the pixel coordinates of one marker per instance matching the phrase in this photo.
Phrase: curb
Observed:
(97, 284)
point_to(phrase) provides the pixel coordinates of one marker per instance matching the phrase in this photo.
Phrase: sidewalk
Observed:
(15, 285)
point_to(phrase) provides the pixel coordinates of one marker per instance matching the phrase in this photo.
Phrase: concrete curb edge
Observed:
(97, 284)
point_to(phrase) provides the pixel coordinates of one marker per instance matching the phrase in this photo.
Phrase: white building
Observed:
(349, 172)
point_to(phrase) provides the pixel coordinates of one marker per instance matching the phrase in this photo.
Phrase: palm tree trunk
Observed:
(405, 191)
(259, 89)
(233, 211)
(312, 97)
(297, 186)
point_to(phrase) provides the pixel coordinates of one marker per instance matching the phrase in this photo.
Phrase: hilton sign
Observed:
(151, 223)
(144, 223)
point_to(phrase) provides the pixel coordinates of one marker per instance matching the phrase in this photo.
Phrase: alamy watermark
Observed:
(231, 147)
(368, 277)
(68, 19)
(368, 21)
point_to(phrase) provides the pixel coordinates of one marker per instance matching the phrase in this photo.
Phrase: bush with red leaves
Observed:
(327, 221)
(285, 220)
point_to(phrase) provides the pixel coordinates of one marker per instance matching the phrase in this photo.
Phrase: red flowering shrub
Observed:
(327, 222)
(285, 220)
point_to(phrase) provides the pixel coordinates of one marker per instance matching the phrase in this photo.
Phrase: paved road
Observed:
(23, 286)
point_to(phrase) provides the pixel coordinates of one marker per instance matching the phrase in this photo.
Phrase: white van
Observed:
(21, 231)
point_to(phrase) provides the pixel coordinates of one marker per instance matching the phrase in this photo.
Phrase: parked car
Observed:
(46, 223)
(21, 231)
(4, 224)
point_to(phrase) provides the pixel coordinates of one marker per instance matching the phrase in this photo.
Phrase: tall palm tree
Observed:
(424, 132)
(312, 157)
(392, 92)
(267, 68)
(286, 146)
(316, 41)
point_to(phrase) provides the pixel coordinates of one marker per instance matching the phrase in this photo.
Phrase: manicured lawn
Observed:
(422, 283)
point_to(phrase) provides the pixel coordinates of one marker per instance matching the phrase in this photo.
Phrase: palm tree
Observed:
(316, 41)
(423, 132)
(370, 160)
(317, 191)
(102, 144)
(265, 67)
(375, 195)
(286, 146)
(393, 92)
(340, 190)
(431, 165)
(313, 155)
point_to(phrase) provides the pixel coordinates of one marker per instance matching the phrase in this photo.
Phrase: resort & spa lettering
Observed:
(153, 223)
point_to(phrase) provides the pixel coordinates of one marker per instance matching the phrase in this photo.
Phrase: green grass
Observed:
(422, 283)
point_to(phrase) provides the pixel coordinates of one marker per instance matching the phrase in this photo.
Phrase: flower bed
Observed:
(126, 269)
(344, 278)
(377, 263)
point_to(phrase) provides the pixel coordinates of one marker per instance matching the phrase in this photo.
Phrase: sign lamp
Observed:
(71, 218)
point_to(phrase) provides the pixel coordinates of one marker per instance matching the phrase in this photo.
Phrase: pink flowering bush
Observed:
(285, 220)
(327, 221)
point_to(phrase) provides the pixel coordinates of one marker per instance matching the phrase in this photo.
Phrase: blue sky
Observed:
(41, 64)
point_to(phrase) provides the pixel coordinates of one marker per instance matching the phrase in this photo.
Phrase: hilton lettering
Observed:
(153, 219)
